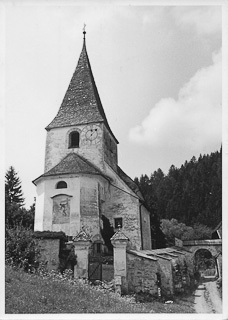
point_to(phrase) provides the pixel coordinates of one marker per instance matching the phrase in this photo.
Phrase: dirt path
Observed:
(207, 298)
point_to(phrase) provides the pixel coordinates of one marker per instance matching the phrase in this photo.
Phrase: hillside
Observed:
(191, 194)
(29, 293)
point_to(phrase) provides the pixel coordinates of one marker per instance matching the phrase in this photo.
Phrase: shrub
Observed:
(21, 247)
(50, 235)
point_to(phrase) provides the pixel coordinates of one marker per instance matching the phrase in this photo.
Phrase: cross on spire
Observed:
(84, 32)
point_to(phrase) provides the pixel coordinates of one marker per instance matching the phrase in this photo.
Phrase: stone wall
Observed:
(165, 270)
(214, 245)
(119, 204)
(145, 225)
(49, 252)
(219, 264)
(141, 274)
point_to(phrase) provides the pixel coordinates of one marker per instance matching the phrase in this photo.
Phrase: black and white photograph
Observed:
(115, 159)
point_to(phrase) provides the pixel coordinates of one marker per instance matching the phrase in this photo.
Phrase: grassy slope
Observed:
(31, 294)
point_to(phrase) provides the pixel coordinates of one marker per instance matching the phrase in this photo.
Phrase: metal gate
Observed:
(95, 268)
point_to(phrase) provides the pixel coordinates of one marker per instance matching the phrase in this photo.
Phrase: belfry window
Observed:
(61, 185)
(74, 138)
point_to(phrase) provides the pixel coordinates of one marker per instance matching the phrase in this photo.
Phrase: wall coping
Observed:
(202, 242)
(141, 255)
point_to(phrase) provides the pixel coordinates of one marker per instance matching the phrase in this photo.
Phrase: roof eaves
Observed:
(119, 172)
(50, 174)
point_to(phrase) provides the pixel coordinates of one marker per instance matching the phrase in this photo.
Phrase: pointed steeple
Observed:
(81, 104)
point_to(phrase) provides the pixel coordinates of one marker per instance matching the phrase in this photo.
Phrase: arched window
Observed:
(74, 139)
(61, 185)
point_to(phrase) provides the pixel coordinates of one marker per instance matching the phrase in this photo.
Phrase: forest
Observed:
(191, 194)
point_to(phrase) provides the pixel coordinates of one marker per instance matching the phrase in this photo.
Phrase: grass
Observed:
(180, 305)
(29, 293)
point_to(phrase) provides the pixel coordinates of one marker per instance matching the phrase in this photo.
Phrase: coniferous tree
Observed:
(191, 194)
(15, 213)
(13, 190)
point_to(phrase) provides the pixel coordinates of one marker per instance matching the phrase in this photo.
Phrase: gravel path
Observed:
(207, 298)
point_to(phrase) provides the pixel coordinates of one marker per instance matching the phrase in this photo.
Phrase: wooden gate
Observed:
(95, 268)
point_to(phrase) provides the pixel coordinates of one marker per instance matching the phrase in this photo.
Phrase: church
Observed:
(82, 181)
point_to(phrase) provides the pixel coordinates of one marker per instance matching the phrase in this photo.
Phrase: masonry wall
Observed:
(145, 225)
(57, 142)
(141, 274)
(190, 262)
(49, 252)
(119, 204)
(219, 264)
(89, 206)
(214, 245)
(165, 270)
(110, 149)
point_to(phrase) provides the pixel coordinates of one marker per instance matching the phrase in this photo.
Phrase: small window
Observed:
(118, 223)
(61, 185)
(74, 139)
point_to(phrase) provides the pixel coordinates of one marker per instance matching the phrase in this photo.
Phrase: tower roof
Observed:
(81, 103)
(73, 164)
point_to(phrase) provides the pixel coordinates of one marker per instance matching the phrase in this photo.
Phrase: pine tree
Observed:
(13, 190)
(191, 194)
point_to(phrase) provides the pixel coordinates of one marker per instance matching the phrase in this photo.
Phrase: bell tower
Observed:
(80, 125)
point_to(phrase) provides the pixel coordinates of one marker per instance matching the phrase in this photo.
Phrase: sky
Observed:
(157, 69)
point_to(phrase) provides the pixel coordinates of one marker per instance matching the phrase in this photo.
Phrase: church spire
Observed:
(81, 103)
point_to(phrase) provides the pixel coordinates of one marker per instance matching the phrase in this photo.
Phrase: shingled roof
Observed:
(129, 182)
(81, 104)
(73, 164)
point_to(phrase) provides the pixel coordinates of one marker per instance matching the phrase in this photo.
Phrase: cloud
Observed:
(192, 121)
(205, 20)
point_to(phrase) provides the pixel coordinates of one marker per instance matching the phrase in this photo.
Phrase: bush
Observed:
(21, 247)
(50, 235)
(175, 229)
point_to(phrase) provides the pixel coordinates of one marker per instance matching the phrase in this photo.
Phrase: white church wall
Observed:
(45, 206)
(39, 209)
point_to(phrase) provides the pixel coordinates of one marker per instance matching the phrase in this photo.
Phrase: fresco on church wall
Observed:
(61, 209)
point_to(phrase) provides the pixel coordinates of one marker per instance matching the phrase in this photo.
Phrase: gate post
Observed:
(119, 242)
(82, 243)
